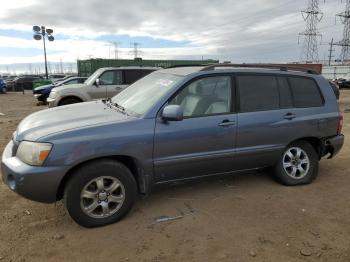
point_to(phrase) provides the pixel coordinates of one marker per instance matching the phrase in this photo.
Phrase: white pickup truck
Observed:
(104, 83)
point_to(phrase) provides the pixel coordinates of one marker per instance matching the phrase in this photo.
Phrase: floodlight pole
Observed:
(43, 33)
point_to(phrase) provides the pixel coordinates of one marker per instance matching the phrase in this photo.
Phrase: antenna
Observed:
(345, 42)
(312, 16)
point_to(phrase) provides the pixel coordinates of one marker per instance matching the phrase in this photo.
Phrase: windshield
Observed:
(143, 94)
(91, 79)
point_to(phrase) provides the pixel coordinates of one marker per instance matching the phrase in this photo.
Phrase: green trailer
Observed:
(88, 67)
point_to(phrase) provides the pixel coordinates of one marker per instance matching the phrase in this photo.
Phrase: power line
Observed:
(312, 15)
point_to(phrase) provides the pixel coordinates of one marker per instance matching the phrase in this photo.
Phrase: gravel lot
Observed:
(237, 218)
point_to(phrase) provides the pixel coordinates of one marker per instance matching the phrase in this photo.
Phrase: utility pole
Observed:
(312, 16)
(331, 50)
(345, 42)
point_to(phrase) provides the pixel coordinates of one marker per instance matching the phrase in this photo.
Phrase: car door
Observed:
(108, 81)
(117, 85)
(267, 120)
(203, 143)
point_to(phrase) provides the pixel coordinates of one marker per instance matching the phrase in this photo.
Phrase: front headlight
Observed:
(53, 94)
(33, 153)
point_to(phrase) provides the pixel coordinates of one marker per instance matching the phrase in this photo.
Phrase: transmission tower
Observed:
(136, 49)
(115, 45)
(312, 16)
(345, 42)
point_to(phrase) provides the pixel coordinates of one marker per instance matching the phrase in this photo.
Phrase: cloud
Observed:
(241, 31)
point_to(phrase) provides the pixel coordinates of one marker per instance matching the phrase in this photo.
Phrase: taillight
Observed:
(340, 123)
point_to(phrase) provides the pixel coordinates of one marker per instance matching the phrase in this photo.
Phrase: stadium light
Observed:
(40, 32)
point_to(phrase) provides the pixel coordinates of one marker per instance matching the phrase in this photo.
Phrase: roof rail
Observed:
(188, 65)
(266, 66)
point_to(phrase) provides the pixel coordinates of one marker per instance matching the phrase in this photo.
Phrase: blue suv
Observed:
(172, 125)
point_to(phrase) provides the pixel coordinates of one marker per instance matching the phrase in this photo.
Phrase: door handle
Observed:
(227, 122)
(289, 116)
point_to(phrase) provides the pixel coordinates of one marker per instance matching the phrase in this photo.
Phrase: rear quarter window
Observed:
(305, 92)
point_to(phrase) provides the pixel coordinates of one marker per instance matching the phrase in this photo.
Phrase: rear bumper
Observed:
(333, 145)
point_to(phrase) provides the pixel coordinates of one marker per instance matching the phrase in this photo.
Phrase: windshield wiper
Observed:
(119, 106)
(108, 102)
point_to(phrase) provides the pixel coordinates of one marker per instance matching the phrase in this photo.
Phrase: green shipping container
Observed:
(88, 67)
(41, 82)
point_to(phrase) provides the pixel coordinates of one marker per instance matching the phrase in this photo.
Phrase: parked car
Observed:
(56, 77)
(9, 78)
(343, 83)
(173, 125)
(64, 78)
(23, 82)
(104, 83)
(42, 92)
(335, 89)
(2, 86)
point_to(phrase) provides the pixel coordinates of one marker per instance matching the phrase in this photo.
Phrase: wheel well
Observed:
(315, 142)
(128, 161)
(70, 97)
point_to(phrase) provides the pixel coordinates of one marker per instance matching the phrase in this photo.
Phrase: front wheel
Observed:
(100, 193)
(298, 164)
(69, 101)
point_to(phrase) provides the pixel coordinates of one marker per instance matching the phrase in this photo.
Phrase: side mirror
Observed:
(173, 113)
(97, 82)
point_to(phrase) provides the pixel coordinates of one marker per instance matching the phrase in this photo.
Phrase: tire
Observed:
(89, 211)
(289, 171)
(68, 101)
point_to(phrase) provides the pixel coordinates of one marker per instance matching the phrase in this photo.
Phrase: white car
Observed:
(104, 83)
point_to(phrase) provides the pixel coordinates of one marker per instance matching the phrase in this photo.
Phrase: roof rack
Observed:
(266, 66)
(188, 65)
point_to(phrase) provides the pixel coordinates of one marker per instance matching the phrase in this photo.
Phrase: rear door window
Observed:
(258, 93)
(285, 94)
(131, 76)
(305, 92)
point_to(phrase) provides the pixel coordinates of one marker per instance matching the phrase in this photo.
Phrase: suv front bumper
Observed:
(38, 183)
(52, 102)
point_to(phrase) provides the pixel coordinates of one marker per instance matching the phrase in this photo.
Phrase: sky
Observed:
(228, 30)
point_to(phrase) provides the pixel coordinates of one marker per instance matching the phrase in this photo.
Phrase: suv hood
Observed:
(60, 119)
(65, 87)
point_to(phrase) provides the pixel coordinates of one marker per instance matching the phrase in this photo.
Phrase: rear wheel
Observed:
(68, 101)
(298, 164)
(100, 193)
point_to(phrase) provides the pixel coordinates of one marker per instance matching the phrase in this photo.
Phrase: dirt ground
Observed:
(236, 218)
